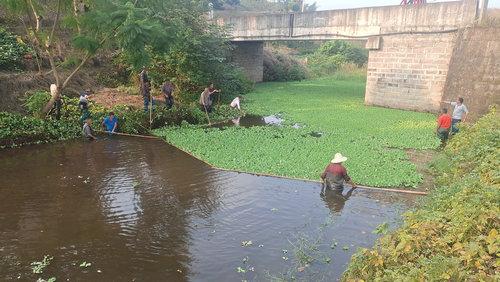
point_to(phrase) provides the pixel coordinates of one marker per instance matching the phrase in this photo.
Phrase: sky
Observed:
(343, 4)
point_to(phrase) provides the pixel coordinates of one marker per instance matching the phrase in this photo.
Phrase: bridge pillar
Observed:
(249, 55)
(409, 71)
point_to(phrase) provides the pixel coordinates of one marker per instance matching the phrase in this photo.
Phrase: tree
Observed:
(94, 25)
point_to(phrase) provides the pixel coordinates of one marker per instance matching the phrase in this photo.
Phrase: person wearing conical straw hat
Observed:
(335, 174)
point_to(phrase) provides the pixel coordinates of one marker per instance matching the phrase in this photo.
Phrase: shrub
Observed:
(322, 65)
(279, 66)
(12, 51)
(333, 55)
(347, 50)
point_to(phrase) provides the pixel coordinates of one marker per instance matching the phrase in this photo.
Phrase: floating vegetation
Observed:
(38, 266)
(246, 243)
(85, 264)
(337, 121)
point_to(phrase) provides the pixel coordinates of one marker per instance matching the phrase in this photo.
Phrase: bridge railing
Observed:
(354, 23)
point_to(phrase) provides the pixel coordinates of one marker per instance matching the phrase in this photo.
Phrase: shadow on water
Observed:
(141, 210)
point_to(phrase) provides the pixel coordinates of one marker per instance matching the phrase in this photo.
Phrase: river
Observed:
(141, 210)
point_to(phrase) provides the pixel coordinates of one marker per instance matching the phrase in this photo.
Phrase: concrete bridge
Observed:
(410, 47)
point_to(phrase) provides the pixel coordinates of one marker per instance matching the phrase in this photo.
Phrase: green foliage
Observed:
(453, 236)
(332, 55)
(279, 66)
(12, 51)
(373, 138)
(18, 130)
(195, 64)
(350, 52)
(35, 102)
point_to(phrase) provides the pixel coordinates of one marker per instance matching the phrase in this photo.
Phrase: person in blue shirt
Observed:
(110, 123)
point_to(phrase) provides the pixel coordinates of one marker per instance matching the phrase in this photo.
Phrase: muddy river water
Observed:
(140, 210)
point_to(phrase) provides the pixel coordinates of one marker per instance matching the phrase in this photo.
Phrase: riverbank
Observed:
(320, 117)
(453, 236)
(18, 130)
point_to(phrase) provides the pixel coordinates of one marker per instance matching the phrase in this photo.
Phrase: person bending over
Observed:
(235, 104)
(335, 174)
(110, 123)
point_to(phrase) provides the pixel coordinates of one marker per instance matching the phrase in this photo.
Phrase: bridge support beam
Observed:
(409, 71)
(249, 55)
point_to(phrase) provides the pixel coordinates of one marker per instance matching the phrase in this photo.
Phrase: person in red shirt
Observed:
(443, 126)
(335, 174)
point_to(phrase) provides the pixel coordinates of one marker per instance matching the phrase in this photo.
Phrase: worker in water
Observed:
(443, 126)
(110, 123)
(335, 174)
(88, 133)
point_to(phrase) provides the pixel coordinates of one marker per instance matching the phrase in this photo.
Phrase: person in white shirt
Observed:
(236, 103)
(460, 112)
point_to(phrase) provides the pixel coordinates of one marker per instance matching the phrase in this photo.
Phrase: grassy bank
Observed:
(453, 236)
(374, 139)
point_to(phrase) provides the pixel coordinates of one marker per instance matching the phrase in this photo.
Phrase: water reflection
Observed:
(335, 199)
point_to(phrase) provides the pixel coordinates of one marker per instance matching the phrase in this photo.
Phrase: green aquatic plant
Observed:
(38, 266)
(374, 139)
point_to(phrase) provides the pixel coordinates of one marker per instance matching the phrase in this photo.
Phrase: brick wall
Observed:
(249, 55)
(475, 70)
(409, 71)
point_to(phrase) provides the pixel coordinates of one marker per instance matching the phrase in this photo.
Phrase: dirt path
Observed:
(421, 159)
(110, 97)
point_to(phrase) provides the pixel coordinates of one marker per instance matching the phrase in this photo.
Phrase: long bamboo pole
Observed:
(126, 134)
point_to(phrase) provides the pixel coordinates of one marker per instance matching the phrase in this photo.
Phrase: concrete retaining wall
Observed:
(474, 71)
(409, 71)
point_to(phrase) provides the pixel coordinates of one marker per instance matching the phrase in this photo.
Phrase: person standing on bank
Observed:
(212, 90)
(110, 123)
(205, 101)
(56, 108)
(460, 112)
(335, 174)
(443, 126)
(167, 89)
(145, 87)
